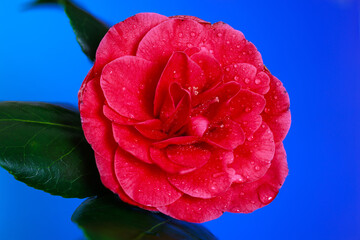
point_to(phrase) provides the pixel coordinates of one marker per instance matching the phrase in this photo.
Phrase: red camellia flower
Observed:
(184, 118)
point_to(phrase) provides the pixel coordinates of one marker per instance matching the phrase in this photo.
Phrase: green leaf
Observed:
(43, 146)
(88, 30)
(107, 218)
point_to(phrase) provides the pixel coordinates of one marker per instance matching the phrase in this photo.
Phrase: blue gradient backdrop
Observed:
(312, 46)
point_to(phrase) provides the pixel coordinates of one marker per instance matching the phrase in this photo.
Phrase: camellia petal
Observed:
(279, 124)
(171, 36)
(132, 142)
(182, 70)
(97, 128)
(106, 166)
(115, 117)
(277, 99)
(190, 155)
(123, 38)
(197, 210)
(210, 180)
(144, 183)
(229, 46)
(228, 135)
(151, 129)
(160, 158)
(209, 65)
(248, 77)
(248, 197)
(253, 158)
(128, 83)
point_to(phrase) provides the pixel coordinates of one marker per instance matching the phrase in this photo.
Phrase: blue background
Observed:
(313, 47)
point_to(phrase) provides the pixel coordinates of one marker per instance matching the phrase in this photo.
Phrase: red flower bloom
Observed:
(184, 118)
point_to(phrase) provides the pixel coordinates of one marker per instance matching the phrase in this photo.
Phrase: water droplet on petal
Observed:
(278, 84)
(257, 81)
(180, 35)
(257, 168)
(250, 138)
(236, 78)
(235, 210)
(267, 110)
(219, 174)
(247, 80)
(192, 34)
(266, 193)
(219, 34)
(238, 178)
(227, 69)
(247, 109)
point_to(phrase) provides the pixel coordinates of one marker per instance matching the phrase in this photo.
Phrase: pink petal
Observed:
(279, 124)
(211, 103)
(177, 141)
(197, 126)
(190, 18)
(197, 210)
(229, 46)
(277, 99)
(210, 66)
(98, 132)
(160, 158)
(249, 124)
(208, 181)
(262, 83)
(97, 128)
(276, 113)
(171, 36)
(132, 142)
(144, 183)
(246, 75)
(151, 129)
(107, 173)
(253, 158)
(248, 197)
(180, 117)
(191, 155)
(123, 38)
(127, 199)
(228, 135)
(182, 70)
(129, 84)
(245, 108)
(115, 117)
(89, 76)
(246, 103)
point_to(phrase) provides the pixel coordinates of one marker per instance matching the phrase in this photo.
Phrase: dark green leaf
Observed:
(88, 30)
(107, 218)
(43, 146)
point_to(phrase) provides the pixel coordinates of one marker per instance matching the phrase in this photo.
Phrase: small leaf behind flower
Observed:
(88, 30)
(43, 146)
(107, 218)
